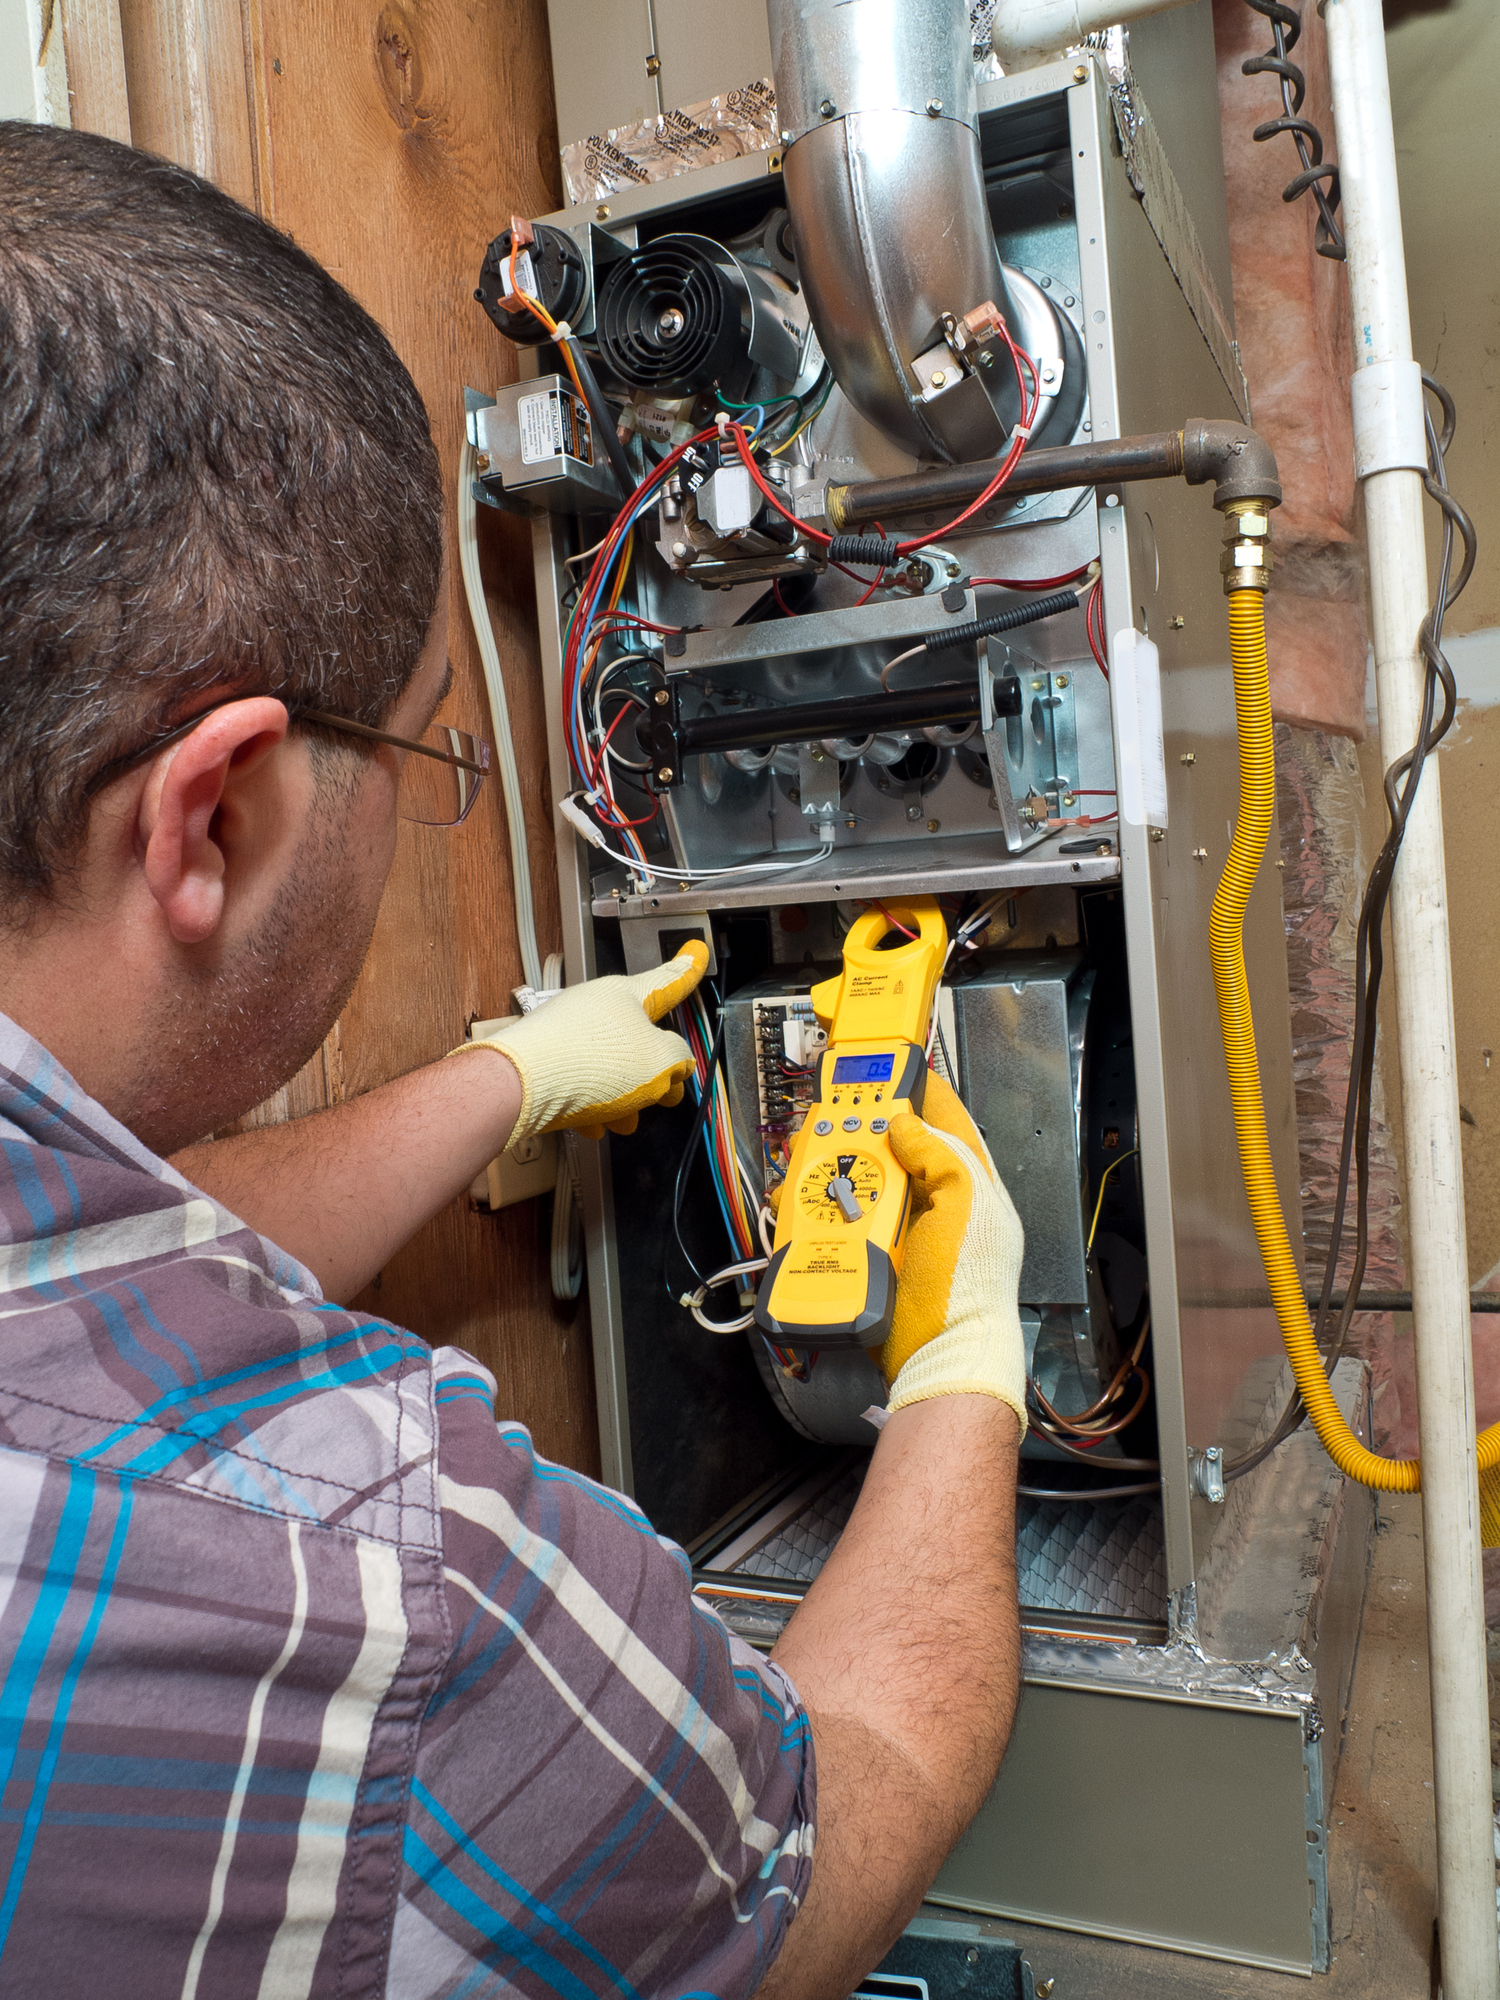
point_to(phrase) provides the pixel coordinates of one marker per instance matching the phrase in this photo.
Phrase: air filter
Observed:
(675, 317)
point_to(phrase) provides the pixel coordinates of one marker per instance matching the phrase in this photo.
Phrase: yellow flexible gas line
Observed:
(1252, 710)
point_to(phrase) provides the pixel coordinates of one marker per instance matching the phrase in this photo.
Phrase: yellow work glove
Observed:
(957, 1326)
(592, 1058)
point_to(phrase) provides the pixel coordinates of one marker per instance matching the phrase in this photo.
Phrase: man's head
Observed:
(218, 492)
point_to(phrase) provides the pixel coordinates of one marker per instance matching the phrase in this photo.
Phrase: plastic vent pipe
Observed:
(1028, 32)
(1390, 452)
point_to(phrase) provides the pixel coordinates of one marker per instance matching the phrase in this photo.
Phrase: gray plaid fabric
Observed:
(316, 1680)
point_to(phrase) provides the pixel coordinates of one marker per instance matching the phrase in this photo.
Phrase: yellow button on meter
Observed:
(841, 1228)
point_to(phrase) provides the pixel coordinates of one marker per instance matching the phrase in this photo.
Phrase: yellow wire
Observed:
(1100, 1202)
(787, 443)
(535, 306)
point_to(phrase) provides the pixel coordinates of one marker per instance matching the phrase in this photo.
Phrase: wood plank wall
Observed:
(393, 142)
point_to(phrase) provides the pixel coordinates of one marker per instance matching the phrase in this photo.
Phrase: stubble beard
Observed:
(231, 1035)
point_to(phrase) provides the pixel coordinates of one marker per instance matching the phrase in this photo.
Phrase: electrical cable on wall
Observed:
(505, 749)
(1286, 29)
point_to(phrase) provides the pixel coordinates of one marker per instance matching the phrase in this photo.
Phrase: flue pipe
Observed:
(1390, 451)
(1028, 32)
(879, 115)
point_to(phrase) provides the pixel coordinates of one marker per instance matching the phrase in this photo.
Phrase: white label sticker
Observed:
(540, 418)
(525, 273)
(1135, 692)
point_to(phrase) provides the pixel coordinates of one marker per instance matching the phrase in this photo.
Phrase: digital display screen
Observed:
(863, 1069)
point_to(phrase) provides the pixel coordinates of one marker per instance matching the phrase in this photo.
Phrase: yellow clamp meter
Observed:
(841, 1226)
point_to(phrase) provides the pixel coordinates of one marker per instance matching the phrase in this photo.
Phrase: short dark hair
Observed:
(215, 474)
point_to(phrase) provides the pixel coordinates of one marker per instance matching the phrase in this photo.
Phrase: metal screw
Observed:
(939, 377)
(680, 550)
(827, 108)
(913, 812)
(1189, 757)
(1158, 833)
(661, 697)
(933, 825)
(851, 824)
(653, 65)
(683, 888)
(1200, 854)
(971, 1956)
(481, 462)
(1060, 680)
(1177, 624)
(601, 213)
(1044, 1990)
(934, 107)
(666, 774)
(1049, 374)
(1081, 75)
(786, 135)
(1038, 685)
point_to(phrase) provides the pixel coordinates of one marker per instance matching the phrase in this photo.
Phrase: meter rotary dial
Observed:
(818, 1196)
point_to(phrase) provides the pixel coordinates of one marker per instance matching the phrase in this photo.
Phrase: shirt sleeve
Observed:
(612, 1793)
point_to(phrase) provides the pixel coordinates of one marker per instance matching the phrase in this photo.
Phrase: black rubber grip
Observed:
(882, 550)
(1004, 621)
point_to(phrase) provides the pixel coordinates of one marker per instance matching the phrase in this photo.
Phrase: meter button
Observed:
(879, 1124)
(823, 1127)
(851, 1124)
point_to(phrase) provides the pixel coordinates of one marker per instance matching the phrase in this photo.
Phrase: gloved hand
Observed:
(957, 1326)
(591, 1058)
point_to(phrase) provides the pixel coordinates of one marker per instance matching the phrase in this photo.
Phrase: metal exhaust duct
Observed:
(878, 113)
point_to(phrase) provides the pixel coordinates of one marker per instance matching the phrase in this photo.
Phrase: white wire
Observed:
(654, 868)
(910, 654)
(567, 1222)
(505, 749)
(746, 1268)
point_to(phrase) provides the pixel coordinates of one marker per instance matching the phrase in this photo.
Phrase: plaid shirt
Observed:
(316, 1679)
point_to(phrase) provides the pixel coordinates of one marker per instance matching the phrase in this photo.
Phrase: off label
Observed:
(553, 424)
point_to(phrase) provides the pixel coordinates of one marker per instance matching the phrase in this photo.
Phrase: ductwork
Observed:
(885, 188)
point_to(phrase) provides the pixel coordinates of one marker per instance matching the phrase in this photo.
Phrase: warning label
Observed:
(554, 424)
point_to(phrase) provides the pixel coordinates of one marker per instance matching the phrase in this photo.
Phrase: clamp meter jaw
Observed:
(846, 1200)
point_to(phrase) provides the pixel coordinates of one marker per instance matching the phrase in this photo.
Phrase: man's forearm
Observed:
(343, 1189)
(906, 1652)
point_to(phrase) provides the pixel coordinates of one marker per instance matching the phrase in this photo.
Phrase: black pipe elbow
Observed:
(1238, 460)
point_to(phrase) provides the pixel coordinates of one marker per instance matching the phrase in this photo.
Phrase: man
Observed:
(315, 1679)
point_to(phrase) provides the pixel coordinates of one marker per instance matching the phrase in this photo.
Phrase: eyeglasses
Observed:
(440, 777)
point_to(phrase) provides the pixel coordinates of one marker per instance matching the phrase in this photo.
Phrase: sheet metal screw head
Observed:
(933, 825)
(1060, 680)
(666, 774)
(934, 107)
(1158, 833)
(1189, 757)
(601, 213)
(1044, 1990)
(827, 108)
(653, 65)
(971, 1956)
(661, 697)
(1178, 623)
(913, 812)
(1200, 854)
(786, 135)
(1080, 75)
(481, 461)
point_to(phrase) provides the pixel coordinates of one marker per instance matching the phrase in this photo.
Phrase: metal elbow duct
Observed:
(885, 188)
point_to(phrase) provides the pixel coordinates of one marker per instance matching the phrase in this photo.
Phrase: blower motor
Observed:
(683, 314)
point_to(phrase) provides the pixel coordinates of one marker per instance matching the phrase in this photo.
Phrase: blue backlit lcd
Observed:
(863, 1069)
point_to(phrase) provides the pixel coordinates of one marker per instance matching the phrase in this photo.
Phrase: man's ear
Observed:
(179, 817)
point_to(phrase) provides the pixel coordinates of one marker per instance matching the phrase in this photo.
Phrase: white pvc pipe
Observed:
(1390, 449)
(1028, 32)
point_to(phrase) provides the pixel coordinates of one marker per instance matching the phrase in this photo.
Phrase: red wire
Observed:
(894, 922)
(1026, 583)
(1094, 615)
(879, 576)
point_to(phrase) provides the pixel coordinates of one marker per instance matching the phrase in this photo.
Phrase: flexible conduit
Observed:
(1252, 710)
